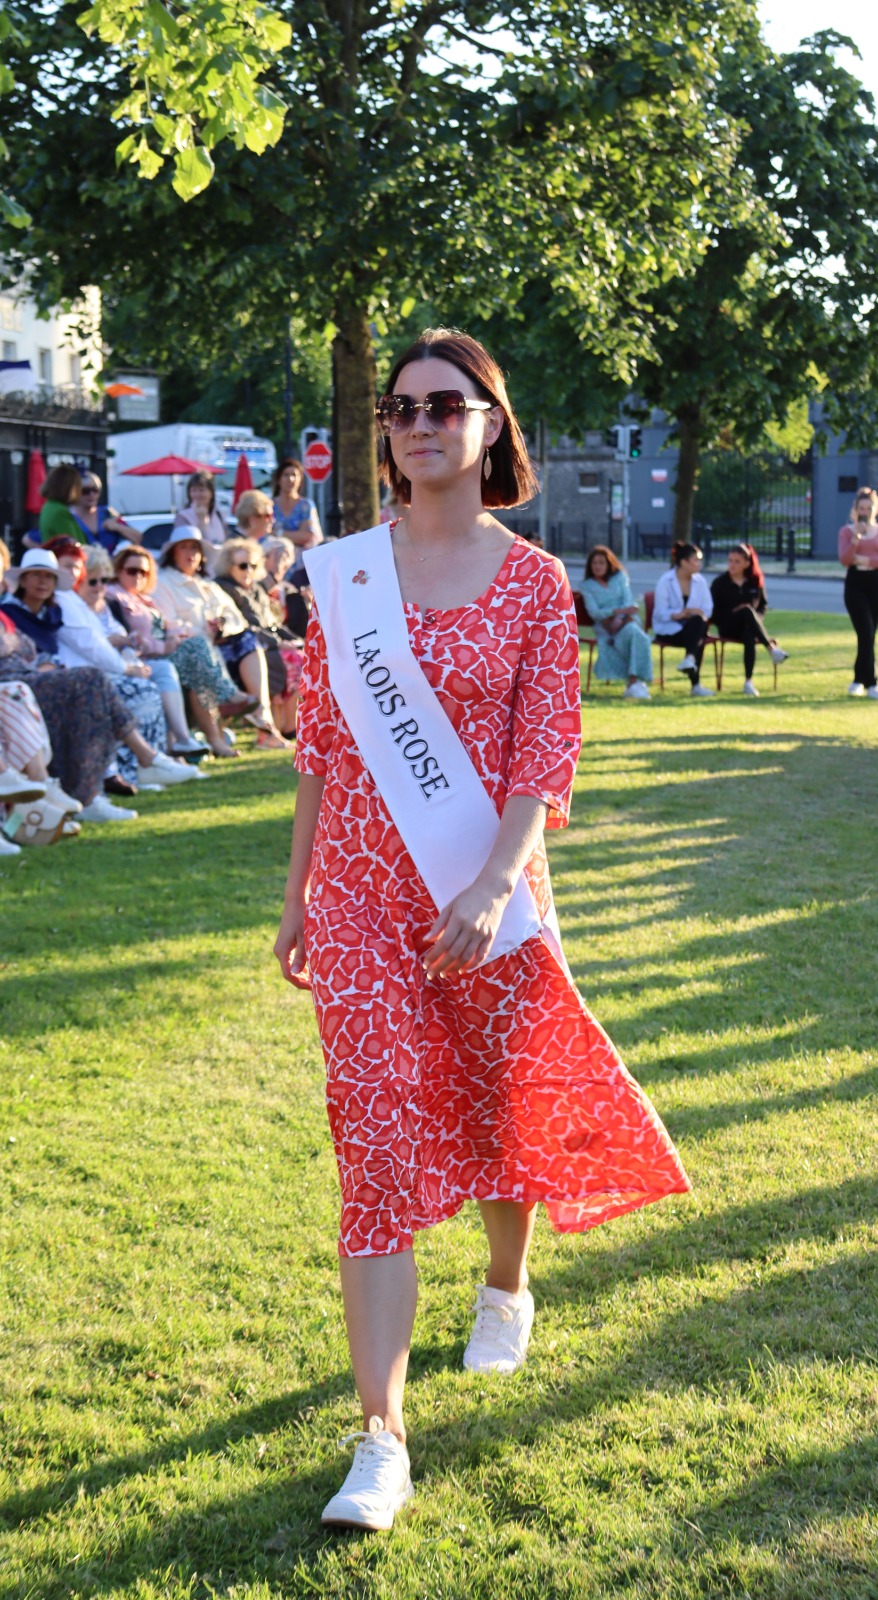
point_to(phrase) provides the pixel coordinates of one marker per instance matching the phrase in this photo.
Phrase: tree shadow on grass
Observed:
(272, 1528)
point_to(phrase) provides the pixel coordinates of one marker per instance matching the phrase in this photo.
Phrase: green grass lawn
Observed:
(699, 1414)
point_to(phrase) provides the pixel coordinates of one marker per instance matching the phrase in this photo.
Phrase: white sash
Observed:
(436, 798)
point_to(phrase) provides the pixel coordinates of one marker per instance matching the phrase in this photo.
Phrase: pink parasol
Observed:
(243, 480)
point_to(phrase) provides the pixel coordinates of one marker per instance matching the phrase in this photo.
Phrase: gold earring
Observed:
(486, 468)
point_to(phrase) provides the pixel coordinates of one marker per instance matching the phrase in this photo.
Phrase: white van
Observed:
(212, 444)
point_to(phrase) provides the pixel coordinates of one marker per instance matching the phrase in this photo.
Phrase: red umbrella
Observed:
(243, 480)
(168, 467)
(36, 477)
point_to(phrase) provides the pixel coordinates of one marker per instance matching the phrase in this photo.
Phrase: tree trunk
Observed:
(356, 443)
(685, 488)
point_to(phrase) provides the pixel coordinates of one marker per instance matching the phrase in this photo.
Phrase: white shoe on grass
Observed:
(164, 770)
(56, 793)
(498, 1342)
(688, 664)
(778, 655)
(7, 848)
(377, 1486)
(700, 692)
(750, 687)
(872, 694)
(16, 786)
(636, 691)
(856, 689)
(101, 809)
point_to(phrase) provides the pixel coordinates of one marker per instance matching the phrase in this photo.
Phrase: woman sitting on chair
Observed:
(623, 647)
(739, 604)
(682, 609)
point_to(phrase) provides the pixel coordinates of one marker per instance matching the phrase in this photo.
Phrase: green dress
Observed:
(58, 522)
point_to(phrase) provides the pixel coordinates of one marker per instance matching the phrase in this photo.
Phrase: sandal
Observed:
(270, 739)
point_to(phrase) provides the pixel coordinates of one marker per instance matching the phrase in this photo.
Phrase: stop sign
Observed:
(317, 461)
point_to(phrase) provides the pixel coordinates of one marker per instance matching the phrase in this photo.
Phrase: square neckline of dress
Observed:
(449, 611)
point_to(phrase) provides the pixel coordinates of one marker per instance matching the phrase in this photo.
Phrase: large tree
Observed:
(430, 149)
(781, 305)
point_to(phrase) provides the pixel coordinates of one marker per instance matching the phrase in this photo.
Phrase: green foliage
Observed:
(697, 1418)
(12, 213)
(193, 71)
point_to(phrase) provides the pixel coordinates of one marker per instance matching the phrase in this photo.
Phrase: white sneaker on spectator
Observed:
(7, 848)
(498, 1342)
(700, 692)
(56, 793)
(857, 689)
(750, 687)
(101, 809)
(872, 694)
(17, 786)
(378, 1484)
(688, 664)
(164, 769)
(636, 691)
(189, 747)
(778, 655)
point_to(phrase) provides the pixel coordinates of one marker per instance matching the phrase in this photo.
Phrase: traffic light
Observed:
(634, 442)
(612, 439)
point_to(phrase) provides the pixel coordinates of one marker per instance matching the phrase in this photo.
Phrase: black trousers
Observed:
(861, 600)
(749, 629)
(689, 637)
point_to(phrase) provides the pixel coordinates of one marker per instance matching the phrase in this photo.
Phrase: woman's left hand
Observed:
(462, 935)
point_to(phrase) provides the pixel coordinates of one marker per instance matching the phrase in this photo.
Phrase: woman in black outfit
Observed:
(739, 604)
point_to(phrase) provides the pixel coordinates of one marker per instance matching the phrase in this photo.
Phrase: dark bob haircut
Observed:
(280, 469)
(512, 479)
(62, 484)
(202, 480)
(613, 562)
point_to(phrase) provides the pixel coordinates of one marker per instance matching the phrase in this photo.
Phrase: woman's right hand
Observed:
(289, 946)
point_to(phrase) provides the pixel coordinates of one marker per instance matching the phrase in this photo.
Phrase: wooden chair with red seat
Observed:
(649, 606)
(585, 620)
(716, 639)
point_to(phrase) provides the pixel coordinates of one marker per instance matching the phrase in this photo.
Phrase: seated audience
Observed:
(84, 715)
(739, 604)
(239, 569)
(100, 523)
(85, 640)
(623, 648)
(185, 593)
(33, 814)
(198, 664)
(682, 609)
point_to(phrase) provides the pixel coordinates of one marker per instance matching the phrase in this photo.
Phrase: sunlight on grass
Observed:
(699, 1414)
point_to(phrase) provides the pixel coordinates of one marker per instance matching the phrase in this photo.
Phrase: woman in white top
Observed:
(682, 610)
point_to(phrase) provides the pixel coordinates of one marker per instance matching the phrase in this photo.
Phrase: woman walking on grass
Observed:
(858, 553)
(438, 736)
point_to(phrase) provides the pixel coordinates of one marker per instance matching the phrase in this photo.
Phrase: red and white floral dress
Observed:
(497, 1085)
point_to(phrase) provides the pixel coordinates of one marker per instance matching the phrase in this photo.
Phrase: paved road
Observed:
(792, 592)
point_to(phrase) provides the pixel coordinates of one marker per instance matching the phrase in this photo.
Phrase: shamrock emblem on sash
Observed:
(360, 577)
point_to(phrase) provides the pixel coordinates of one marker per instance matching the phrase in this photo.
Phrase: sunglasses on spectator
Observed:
(89, 488)
(263, 513)
(137, 572)
(93, 582)
(446, 408)
(244, 566)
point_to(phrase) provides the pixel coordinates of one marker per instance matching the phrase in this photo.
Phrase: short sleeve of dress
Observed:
(547, 715)
(317, 713)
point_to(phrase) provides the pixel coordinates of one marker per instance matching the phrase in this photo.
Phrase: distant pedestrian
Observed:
(739, 605)
(858, 552)
(682, 609)
(623, 647)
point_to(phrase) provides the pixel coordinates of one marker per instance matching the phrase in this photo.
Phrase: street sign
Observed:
(317, 461)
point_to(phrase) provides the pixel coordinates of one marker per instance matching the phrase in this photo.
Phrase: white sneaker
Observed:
(378, 1484)
(102, 809)
(872, 694)
(498, 1342)
(857, 689)
(7, 848)
(700, 692)
(688, 664)
(56, 793)
(636, 691)
(750, 687)
(778, 655)
(17, 786)
(164, 769)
